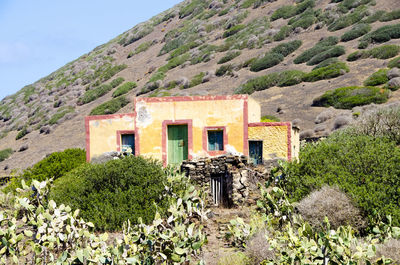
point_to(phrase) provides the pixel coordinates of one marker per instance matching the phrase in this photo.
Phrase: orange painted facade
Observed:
(233, 117)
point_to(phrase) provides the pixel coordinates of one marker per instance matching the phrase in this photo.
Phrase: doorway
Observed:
(255, 152)
(177, 143)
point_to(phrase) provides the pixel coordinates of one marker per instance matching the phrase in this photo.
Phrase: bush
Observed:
(143, 47)
(290, 78)
(348, 20)
(292, 10)
(125, 88)
(111, 106)
(111, 193)
(269, 60)
(269, 118)
(54, 166)
(394, 63)
(304, 21)
(326, 62)
(94, 94)
(395, 14)
(335, 51)
(174, 62)
(390, 250)
(356, 32)
(258, 248)
(283, 33)
(374, 17)
(383, 34)
(287, 48)
(233, 30)
(197, 79)
(357, 165)
(116, 82)
(192, 8)
(60, 114)
(346, 5)
(5, 153)
(382, 52)
(332, 203)
(327, 72)
(321, 46)
(22, 133)
(377, 78)
(349, 97)
(229, 56)
(224, 69)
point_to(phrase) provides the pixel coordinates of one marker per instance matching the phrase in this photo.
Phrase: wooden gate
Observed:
(221, 190)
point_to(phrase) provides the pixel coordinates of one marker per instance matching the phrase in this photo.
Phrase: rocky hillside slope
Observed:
(286, 53)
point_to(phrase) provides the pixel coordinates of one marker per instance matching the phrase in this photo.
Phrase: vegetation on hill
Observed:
(5, 153)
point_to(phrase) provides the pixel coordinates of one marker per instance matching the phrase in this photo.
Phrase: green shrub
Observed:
(143, 47)
(183, 49)
(94, 94)
(269, 60)
(327, 72)
(116, 82)
(22, 133)
(111, 106)
(60, 114)
(348, 20)
(374, 17)
(383, 34)
(326, 62)
(395, 14)
(358, 165)
(157, 76)
(174, 62)
(349, 97)
(335, 51)
(356, 32)
(380, 52)
(54, 166)
(192, 8)
(123, 89)
(223, 12)
(5, 153)
(394, 63)
(228, 57)
(321, 46)
(233, 30)
(223, 69)
(197, 79)
(283, 33)
(269, 118)
(111, 193)
(247, 3)
(292, 10)
(377, 78)
(284, 78)
(346, 5)
(304, 22)
(287, 48)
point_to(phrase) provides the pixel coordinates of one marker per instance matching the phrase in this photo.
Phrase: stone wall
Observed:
(234, 171)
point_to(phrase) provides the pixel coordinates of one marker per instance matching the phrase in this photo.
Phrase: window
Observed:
(215, 140)
(128, 143)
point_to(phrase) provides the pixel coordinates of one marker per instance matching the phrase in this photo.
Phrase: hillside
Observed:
(181, 51)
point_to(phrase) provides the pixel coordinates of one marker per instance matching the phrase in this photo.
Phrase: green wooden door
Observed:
(256, 150)
(177, 143)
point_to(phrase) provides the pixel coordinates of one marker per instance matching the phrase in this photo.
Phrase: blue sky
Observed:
(39, 36)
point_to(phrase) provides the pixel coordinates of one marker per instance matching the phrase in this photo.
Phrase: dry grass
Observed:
(258, 248)
(390, 249)
(237, 258)
(333, 203)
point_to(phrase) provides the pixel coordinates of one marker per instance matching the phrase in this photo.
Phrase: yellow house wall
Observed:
(254, 111)
(150, 116)
(103, 133)
(275, 141)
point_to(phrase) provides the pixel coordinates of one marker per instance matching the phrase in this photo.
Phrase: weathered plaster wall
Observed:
(275, 140)
(254, 110)
(295, 143)
(101, 132)
(203, 112)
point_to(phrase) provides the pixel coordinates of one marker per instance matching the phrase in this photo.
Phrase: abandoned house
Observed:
(215, 137)
(174, 129)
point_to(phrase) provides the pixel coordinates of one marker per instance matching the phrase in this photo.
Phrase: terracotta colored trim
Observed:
(205, 139)
(87, 129)
(258, 124)
(289, 133)
(165, 124)
(191, 98)
(121, 132)
(137, 135)
(245, 127)
(109, 117)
